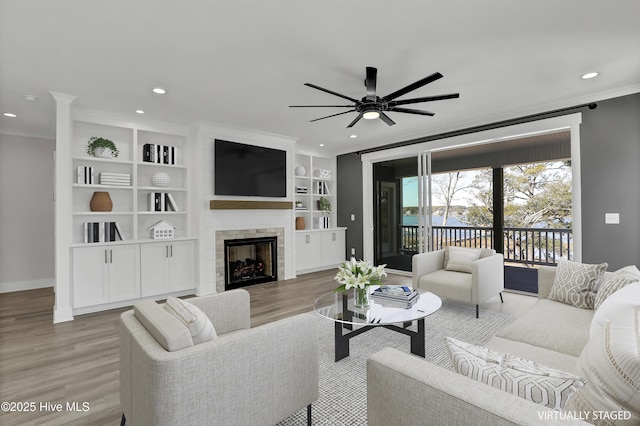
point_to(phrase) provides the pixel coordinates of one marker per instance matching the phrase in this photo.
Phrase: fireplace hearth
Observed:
(250, 261)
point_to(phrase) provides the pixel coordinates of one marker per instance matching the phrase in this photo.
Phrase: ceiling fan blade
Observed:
(321, 106)
(384, 117)
(355, 121)
(370, 83)
(333, 115)
(433, 77)
(425, 99)
(411, 111)
(331, 92)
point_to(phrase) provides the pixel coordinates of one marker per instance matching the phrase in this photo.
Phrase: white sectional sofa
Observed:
(405, 390)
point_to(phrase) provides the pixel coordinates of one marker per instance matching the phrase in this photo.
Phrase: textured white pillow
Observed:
(460, 258)
(576, 283)
(613, 305)
(614, 282)
(610, 364)
(526, 379)
(193, 318)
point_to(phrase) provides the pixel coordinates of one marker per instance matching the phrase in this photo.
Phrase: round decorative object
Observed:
(100, 202)
(103, 152)
(160, 179)
(300, 223)
(300, 171)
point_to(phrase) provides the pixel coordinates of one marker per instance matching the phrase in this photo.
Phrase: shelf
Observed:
(101, 213)
(99, 186)
(102, 160)
(170, 166)
(159, 189)
(160, 213)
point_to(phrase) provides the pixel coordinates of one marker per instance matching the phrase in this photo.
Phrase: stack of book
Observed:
(85, 175)
(160, 154)
(323, 222)
(396, 296)
(162, 202)
(101, 232)
(120, 179)
(322, 188)
(301, 190)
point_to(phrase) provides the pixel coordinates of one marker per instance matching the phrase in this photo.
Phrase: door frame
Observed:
(550, 125)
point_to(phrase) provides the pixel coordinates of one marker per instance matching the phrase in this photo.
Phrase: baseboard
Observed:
(26, 285)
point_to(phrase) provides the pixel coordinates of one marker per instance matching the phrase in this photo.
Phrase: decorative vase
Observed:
(361, 297)
(160, 179)
(100, 202)
(300, 223)
(300, 171)
(101, 152)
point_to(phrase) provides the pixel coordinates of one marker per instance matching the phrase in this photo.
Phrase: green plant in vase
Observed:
(324, 205)
(101, 147)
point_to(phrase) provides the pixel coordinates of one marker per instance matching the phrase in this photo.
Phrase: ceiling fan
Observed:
(373, 106)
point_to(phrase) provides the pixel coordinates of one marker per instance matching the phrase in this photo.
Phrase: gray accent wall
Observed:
(610, 160)
(350, 200)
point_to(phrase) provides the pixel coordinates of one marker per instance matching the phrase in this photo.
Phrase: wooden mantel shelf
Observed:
(250, 205)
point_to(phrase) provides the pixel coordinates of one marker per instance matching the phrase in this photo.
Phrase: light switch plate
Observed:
(612, 218)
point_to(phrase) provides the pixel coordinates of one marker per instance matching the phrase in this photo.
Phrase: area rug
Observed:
(343, 384)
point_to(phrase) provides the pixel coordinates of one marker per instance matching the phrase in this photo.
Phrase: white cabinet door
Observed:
(167, 267)
(154, 277)
(90, 276)
(124, 272)
(181, 265)
(333, 243)
(308, 250)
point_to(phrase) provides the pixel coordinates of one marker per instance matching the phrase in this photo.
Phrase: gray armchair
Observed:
(484, 280)
(245, 376)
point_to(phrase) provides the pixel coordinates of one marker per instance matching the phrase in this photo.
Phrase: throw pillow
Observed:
(460, 258)
(611, 367)
(615, 282)
(526, 379)
(576, 283)
(193, 318)
(613, 305)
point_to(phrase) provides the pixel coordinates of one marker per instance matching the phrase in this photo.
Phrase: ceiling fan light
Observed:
(371, 115)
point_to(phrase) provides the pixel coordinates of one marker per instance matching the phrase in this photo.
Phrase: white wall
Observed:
(26, 213)
(210, 221)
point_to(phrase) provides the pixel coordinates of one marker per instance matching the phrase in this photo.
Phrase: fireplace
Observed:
(249, 261)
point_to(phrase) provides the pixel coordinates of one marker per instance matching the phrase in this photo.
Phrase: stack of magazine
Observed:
(396, 296)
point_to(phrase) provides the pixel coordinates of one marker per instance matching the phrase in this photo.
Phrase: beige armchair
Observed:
(244, 376)
(460, 274)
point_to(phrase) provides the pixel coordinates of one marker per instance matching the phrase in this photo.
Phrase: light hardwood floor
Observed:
(77, 361)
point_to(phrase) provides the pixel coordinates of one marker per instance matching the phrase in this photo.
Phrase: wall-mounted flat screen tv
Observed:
(249, 170)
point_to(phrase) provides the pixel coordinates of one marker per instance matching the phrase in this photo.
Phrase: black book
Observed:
(112, 231)
(96, 232)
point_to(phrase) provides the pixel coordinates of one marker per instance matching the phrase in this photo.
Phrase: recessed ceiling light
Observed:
(9, 114)
(139, 111)
(353, 136)
(31, 98)
(321, 144)
(159, 91)
(589, 75)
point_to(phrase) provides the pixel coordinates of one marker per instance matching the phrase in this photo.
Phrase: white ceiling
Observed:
(243, 62)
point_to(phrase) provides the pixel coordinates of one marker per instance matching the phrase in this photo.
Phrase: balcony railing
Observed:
(532, 246)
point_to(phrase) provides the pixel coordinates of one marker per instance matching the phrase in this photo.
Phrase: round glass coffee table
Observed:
(338, 307)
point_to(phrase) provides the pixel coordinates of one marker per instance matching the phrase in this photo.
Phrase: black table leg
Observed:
(417, 340)
(341, 342)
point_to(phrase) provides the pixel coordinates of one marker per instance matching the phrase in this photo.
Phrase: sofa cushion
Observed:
(168, 331)
(460, 258)
(614, 282)
(527, 379)
(613, 305)
(610, 364)
(576, 283)
(569, 326)
(198, 324)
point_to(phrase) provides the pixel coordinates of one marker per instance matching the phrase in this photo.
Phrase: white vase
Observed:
(102, 152)
(160, 179)
(300, 171)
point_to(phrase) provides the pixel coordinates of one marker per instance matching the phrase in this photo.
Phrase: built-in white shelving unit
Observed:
(315, 180)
